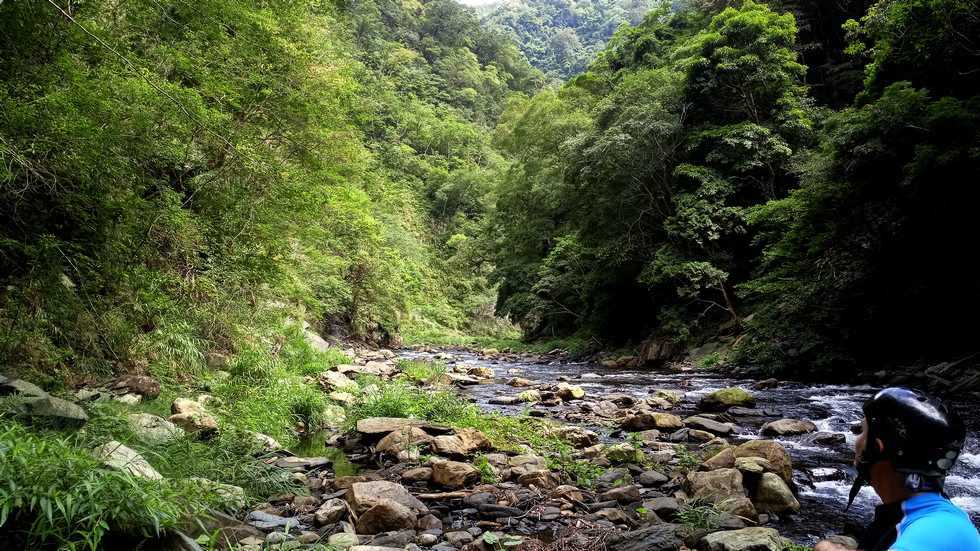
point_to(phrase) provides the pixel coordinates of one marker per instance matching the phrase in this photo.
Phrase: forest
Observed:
(795, 178)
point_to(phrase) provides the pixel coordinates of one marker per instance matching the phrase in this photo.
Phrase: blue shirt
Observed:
(931, 522)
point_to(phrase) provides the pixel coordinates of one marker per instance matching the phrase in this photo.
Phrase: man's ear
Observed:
(880, 446)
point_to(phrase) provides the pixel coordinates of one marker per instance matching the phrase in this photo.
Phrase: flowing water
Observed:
(833, 408)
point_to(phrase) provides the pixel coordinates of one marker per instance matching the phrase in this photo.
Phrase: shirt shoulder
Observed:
(933, 523)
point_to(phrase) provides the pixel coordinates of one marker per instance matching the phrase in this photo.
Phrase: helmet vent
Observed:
(922, 398)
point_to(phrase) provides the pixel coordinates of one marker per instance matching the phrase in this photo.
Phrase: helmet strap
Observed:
(864, 472)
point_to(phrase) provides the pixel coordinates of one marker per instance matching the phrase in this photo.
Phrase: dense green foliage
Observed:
(562, 37)
(55, 495)
(169, 170)
(706, 176)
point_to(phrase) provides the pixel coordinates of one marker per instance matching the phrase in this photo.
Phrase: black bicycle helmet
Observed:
(922, 436)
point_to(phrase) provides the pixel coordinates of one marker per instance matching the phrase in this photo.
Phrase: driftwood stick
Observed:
(445, 495)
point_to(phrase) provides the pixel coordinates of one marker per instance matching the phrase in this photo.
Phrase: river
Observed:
(833, 408)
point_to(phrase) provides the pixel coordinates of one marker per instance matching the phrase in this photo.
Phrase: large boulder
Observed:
(647, 420)
(541, 479)
(202, 422)
(659, 537)
(361, 496)
(403, 439)
(49, 406)
(384, 425)
(567, 392)
(714, 486)
(746, 539)
(153, 429)
(448, 445)
(767, 449)
(385, 516)
(117, 457)
(774, 495)
(725, 398)
(455, 474)
(788, 427)
(709, 425)
(473, 440)
(332, 380)
(331, 511)
(725, 459)
(623, 452)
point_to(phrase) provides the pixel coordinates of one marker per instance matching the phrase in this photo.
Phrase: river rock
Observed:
(386, 515)
(332, 380)
(621, 400)
(643, 421)
(651, 477)
(383, 370)
(361, 496)
(153, 429)
(448, 445)
(624, 494)
(137, 384)
(504, 400)
(774, 495)
(117, 457)
(725, 459)
(49, 406)
(541, 479)
(20, 387)
(664, 507)
(773, 451)
(725, 398)
(749, 412)
(384, 425)
(472, 440)
(421, 474)
(613, 515)
(528, 462)
(581, 438)
(331, 511)
(455, 474)
(659, 537)
(517, 381)
(826, 438)
(623, 452)
(766, 383)
(530, 395)
(741, 506)
(457, 379)
(672, 397)
(567, 493)
(715, 486)
(753, 466)
(746, 539)
(567, 392)
(708, 425)
(788, 427)
(493, 511)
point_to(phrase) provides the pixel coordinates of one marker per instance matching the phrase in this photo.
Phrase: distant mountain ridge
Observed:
(561, 37)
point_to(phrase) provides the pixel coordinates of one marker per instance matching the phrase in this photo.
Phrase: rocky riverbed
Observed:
(676, 466)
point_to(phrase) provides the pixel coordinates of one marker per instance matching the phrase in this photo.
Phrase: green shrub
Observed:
(710, 361)
(421, 370)
(55, 496)
(699, 514)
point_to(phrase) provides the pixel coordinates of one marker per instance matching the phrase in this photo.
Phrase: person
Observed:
(909, 440)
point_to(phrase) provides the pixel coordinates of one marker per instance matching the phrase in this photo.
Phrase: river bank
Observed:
(599, 456)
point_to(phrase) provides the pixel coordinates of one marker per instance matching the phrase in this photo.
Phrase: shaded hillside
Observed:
(169, 171)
